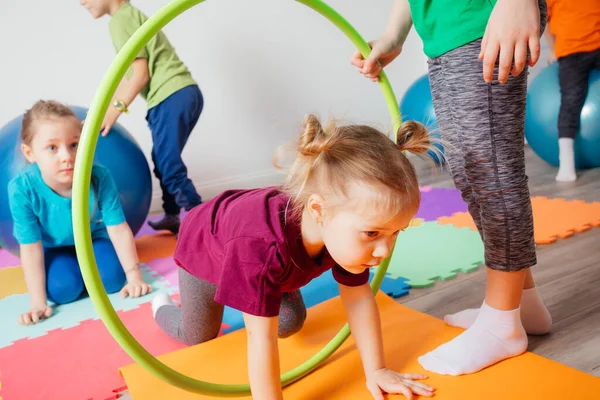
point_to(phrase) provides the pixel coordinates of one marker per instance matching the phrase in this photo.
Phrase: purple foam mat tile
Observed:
(146, 229)
(440, 202)
(8, 260)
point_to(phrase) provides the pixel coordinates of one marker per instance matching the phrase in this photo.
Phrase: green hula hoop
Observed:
(81, 186)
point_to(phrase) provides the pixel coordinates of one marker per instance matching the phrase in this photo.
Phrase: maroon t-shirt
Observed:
(242, 241)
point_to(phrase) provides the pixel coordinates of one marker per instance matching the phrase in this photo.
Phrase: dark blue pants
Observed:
(64, 283)
(573, 76)
(171, 123)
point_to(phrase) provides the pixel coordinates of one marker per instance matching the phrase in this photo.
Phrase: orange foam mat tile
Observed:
(407, 335)
(155, 246)
(552, 218)
(12, 281)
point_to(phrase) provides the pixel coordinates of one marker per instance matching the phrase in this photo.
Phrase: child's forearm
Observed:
(124, 244)
(263, 357)
(400, 21)
(365, 325)
(263, 368)
(129, 88)
(32, 259)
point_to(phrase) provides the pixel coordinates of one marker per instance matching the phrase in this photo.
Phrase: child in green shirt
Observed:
(479, 52)
(174, 104)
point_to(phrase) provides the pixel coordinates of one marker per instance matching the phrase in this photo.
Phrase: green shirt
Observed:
(168, 73)
(445, 25)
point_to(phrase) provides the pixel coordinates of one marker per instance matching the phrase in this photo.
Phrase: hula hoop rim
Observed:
(81, 183)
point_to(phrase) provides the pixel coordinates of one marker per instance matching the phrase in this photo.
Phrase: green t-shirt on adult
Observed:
(168, 73)
(445, 25)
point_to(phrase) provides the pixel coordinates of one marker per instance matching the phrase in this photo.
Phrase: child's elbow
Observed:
(141, 73)
(145, 77)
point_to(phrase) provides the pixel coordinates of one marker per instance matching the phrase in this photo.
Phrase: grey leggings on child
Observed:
(199, 317)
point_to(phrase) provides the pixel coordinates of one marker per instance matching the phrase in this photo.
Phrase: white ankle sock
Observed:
(534, 315)
(162, 299)
(566, 169)
(494, 336)
(462, 319)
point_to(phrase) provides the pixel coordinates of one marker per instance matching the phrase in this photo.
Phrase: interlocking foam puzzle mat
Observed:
(75, 343)
(12, 282)
(552, 218)
(439, 202)
(72, 356)
(8, 260)
(78, 362)
(432, 251)
(68, 315)
(406, 333)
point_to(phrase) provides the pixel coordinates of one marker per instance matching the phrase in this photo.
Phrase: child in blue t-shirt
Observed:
(40, 203)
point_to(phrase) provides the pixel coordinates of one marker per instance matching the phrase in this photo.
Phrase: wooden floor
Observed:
(567, 275)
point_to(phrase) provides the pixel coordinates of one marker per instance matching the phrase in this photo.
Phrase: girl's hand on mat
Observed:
(383, 51)
(36, 314)
(135, 288)
(513, 27)
(385, 380)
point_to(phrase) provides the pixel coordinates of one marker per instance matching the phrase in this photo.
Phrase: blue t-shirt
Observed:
(39, 213)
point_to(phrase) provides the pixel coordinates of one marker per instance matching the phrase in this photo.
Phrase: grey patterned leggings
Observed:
(484, 127)
(199, 317)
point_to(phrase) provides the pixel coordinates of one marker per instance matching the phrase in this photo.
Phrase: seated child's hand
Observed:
(35, 314)
(393, 382)
(135, 288)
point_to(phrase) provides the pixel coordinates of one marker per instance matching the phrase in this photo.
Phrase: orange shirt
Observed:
(575, 24)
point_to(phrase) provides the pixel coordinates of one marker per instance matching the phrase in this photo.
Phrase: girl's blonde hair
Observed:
(43, 110)
(329, 159)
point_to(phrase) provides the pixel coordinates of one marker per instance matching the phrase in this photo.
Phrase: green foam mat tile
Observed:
(432, 251)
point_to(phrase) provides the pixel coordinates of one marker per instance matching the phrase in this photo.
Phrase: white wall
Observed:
(261, 64)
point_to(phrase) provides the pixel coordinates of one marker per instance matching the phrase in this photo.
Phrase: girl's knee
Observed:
(290, 322)
(65, 288)
(112, 276)
(113, 280)
(64, 283)
(63, 294)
